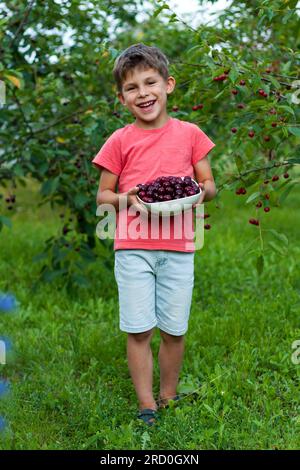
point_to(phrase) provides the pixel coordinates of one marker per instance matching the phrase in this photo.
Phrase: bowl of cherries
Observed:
(169, 195)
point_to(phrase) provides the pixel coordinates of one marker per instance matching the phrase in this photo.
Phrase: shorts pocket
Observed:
(174, 161)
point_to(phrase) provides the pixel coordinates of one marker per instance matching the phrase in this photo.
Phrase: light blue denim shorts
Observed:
(155, 289)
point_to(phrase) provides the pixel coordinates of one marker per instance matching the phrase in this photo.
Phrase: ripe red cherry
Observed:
(274, 124)
(241, 106)
(220, 78)
(275, 178)
(175, 109)
(242, 82)
(268, 70)
(267, 196)
(251, 134)
(241, 191)
(267, 209)
(286, 175)
(234, 91)
(207, 226)
(259, 204)
(261, 92)
(254, 221)
(233, 130)
(266, 138)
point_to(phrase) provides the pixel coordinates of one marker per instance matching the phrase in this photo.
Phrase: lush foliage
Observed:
(69, 381)
(236, 79)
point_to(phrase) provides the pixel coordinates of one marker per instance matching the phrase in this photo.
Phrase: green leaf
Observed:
(18, 170)
(49, 186)
(280, 236)
(239, 163)
(293, 160)
(286, 192)
(219, 94)
(80, 200)
(260, 264)
(270, 13)
(287, 108)
(260, 22)
(274, 82)
(276, 248)
(251, 179)
(233, 75)
(286, 17)
(252, 197)
(294, 130)
(158, 10)
(173, 18)
(257, 104)
(6, 221)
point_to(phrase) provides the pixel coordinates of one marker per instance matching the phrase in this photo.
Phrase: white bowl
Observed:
(173, 207)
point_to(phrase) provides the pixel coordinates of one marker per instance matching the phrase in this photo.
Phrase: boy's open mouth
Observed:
(148, 105)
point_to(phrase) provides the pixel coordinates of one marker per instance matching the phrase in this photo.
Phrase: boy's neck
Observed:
(160, 121)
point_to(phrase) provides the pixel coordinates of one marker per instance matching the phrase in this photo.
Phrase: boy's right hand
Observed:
(133, 201)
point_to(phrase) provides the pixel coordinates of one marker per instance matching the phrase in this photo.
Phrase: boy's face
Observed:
(142, 86)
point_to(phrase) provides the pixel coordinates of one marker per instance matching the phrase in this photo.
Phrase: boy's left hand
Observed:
(202, 196)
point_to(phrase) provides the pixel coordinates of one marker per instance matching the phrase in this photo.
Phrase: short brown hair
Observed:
(139, 55)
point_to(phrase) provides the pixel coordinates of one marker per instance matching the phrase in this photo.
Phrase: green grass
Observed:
(70, 384)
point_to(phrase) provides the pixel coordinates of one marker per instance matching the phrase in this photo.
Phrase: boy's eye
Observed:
(131, 88)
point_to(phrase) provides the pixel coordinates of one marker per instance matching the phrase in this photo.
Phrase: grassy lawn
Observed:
(70, 385)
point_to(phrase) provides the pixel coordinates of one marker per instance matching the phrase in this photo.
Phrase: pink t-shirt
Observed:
(139, 155)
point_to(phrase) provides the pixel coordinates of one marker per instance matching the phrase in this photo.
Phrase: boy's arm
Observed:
(106, 193)
(204, 177)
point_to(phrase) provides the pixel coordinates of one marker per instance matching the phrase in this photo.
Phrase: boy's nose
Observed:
(143, 93)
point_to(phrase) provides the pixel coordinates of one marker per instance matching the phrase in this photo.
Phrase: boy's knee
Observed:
(171, 338)
(146, 335)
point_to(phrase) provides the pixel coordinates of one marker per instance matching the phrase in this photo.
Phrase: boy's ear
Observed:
(171, 83)
(121, 98)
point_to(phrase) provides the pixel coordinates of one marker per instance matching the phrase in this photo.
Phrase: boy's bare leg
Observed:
(170, 358)
(140, 363)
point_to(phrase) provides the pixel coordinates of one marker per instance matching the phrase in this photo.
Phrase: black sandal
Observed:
(148, 416)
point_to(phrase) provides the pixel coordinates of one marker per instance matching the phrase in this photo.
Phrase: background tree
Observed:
(236, 79)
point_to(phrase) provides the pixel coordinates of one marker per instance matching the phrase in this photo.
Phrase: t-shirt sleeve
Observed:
(109, 156)
(202, 144)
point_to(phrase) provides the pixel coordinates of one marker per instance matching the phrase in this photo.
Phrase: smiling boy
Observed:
(155, 277)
